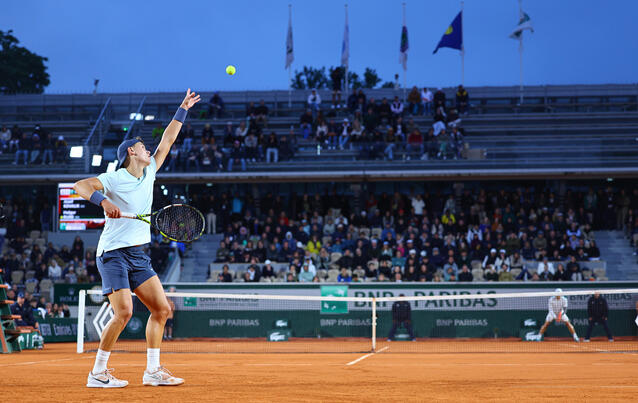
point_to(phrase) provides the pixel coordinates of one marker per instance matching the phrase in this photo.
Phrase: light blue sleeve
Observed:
(108, 181)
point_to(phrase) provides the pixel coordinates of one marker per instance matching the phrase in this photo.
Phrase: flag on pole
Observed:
(524, 23)
(403, 50)
(453, 36)
(345, 45)
(290, 56)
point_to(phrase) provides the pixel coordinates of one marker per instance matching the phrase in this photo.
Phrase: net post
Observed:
(374, 324)
(81, 313)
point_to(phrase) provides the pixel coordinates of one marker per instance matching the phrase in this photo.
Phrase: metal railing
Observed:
(94, 140)
(129, 132)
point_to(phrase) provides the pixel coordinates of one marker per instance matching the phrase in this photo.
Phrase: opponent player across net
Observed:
(121, 260)
(558, 312)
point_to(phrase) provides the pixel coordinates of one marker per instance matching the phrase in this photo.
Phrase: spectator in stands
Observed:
(344, 276)
(252, 152)
(414, 146)
(285, 150)
(47, 149)
(414, 101)
(314, 100)
(396, 108)
(262, 111)
(272, 148)
(216, 106)
(24, 148)
(225, 276)
(390, 144)
(561, 274)
(237, 155)
(267, 271)
(426, 101)
(5, 138)
(61, 150)
(344, 133)
(305, 123)
(336, 75)
(305, 276)
(466, 274)
(186, 137)
(439, 99)
(462, 100)
(20, 307)
(490, 273)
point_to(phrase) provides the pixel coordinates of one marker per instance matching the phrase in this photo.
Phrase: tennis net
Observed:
(465, 322)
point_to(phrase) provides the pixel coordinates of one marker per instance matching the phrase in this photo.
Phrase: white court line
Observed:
(366, 356)
(43, 362)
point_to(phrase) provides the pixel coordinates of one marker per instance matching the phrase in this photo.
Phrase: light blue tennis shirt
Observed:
(134, 196)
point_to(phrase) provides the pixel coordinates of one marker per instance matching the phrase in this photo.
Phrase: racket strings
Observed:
(182, 223)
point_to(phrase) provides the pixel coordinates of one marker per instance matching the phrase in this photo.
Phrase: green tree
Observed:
(388, 84)
(310, 77)
(20, 69)
(354, 81)
(370, 78)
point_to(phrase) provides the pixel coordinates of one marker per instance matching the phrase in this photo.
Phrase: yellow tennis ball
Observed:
(230, 70)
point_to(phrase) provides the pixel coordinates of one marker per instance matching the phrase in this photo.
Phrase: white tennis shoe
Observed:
(576, 339)
(104, 379)
(161, 377)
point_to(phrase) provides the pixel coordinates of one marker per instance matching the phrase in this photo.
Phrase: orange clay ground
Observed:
(57, 373)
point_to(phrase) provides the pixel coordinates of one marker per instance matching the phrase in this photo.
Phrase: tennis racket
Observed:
(177, 222)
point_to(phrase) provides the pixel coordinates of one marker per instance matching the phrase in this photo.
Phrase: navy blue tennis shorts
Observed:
(124, 268)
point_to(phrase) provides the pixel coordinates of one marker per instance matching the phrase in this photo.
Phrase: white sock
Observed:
(152, 359)
(101, 358)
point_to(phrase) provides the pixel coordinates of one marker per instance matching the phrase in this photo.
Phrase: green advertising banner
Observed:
(58, 329)
(334, 307)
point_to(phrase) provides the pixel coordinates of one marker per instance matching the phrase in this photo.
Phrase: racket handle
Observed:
(127, 215)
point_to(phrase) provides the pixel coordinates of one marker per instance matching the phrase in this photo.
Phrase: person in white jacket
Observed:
(545, 263)
(314, 100)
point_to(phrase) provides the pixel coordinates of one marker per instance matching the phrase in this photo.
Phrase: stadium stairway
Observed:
(615, 248)
(197, 259)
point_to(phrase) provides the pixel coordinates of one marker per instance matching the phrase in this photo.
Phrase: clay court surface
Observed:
(589, 372)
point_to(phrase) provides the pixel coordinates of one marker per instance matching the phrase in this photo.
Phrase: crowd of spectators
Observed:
(494, 235)
(37, 146)
(234, 147)
(376, 130)
(31, 265)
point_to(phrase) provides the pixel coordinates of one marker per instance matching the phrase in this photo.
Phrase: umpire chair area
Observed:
(10, 334)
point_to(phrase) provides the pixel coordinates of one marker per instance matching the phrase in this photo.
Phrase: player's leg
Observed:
(570, 327)
(100, 376)
(589, 329)
(544, 328)
(393, 330)
(151, 293)
(607, 331)
(408, 326)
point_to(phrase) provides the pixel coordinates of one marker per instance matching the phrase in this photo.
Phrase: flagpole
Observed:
(289, 67)
(520, 55)
(345, 92)
(462, 49)
(405, 70)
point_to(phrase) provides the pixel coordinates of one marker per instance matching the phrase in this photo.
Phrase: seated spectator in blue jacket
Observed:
(237, 154)
(20, 307)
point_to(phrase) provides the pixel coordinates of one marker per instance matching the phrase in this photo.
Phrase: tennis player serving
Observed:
(557, 312)
(121, 260)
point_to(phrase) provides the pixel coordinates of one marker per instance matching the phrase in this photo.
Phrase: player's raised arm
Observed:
(89, 189)
(173, 128)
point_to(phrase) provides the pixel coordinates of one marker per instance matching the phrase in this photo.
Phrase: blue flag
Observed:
(453, 36)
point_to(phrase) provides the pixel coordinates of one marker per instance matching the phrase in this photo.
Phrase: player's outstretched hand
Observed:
(111, 210)
(190, 99)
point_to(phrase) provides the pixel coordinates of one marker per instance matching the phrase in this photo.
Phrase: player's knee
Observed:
(123, 314)
(162, 311)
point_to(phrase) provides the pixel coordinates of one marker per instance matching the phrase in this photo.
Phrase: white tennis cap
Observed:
(558, 290)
